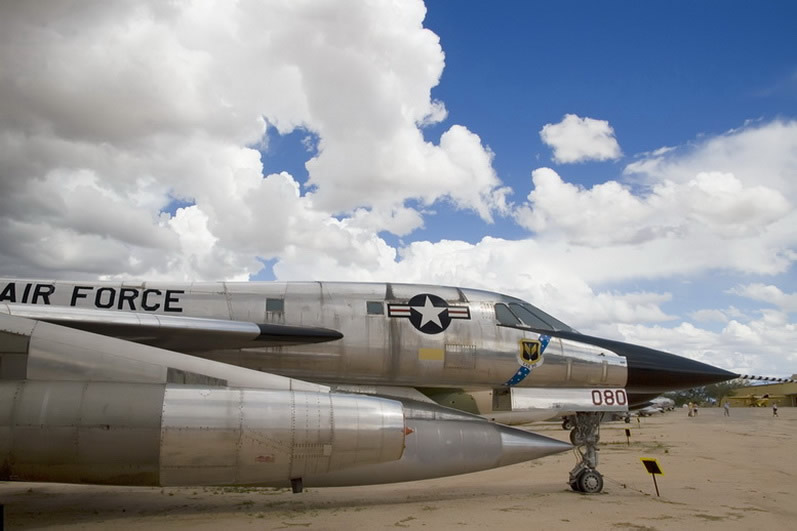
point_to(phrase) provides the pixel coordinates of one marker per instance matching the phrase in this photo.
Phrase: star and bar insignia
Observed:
(428, 313)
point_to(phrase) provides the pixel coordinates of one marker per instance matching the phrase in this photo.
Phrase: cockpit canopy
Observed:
(524, 315)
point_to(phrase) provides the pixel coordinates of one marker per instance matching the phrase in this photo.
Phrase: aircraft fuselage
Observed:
(393, 334)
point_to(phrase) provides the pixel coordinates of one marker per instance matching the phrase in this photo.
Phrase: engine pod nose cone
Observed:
(518, 445)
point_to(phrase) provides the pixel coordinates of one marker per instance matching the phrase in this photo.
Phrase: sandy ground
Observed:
(719, 473)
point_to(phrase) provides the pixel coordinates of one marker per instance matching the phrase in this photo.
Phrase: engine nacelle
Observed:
(155, 434)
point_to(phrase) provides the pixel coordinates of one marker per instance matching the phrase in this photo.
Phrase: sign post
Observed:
(653, 468)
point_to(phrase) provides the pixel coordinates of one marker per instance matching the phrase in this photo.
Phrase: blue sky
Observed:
(675, 69)
(630, 167)
(662, 74)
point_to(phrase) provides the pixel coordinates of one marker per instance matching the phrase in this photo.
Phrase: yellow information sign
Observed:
(651, 465)
(653, 468)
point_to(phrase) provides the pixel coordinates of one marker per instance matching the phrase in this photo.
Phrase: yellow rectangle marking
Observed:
(651, 465)
(431, 354)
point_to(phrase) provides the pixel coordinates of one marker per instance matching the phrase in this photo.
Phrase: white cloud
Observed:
(787, 302)
(763, 154)
(437, 113)
(715, 315)
(399, 221)
(711, 205)
(389, 170)
(762, 346)
(577, 139)
(607, 213)
(691, 215)
(109, 111)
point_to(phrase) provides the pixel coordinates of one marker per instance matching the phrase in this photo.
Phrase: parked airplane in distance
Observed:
(329, 383)
(659, 404)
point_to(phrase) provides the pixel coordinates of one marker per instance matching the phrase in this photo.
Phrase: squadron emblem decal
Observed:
(428, 313)
(530, 353)
(530, 356)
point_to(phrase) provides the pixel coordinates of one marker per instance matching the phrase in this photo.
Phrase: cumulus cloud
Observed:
(110, 112)
(763, 154)
(577, 139)
(768, 293)
(714, 203)
(607, 213)
(758, 346)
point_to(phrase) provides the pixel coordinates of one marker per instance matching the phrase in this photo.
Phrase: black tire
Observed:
(590, 482)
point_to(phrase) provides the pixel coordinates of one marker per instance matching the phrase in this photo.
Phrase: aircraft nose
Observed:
(652, 372)
(655, 371)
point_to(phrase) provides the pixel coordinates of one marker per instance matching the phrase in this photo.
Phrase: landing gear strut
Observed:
(585, 436)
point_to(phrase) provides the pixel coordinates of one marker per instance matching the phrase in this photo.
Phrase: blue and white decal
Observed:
(529, 357)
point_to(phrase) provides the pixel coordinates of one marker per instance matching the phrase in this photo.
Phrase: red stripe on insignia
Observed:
(459, 313)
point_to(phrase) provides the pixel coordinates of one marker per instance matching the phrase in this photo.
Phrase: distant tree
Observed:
(716, 392)
(696, 394)
(678, 397)
(706, 394)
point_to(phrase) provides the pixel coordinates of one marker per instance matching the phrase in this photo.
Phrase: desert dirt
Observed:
(737, 472)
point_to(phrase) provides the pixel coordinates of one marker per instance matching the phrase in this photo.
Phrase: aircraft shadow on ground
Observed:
(31, 507)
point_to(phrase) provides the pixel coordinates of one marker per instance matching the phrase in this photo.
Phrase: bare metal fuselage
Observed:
(378, 346)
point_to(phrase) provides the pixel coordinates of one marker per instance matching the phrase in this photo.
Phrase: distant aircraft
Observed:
(657, 405)
(763, 400)
(301, 383)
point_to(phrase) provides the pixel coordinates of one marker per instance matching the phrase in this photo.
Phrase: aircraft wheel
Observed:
(567, 423)
(590, 482)
(574, 486)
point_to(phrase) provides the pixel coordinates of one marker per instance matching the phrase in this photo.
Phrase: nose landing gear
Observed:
(584, 477)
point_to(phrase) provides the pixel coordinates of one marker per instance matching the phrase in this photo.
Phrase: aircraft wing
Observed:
(184, 334)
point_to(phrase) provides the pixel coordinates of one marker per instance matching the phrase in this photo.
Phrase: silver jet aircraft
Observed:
(301, 383)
